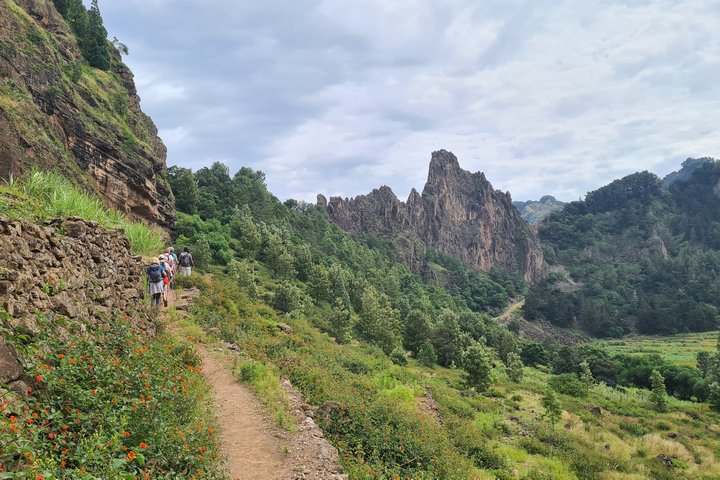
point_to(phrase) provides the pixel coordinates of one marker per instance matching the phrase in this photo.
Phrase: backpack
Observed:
(155, 273)
(184, 259)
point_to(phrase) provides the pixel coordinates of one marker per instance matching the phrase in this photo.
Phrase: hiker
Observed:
(167, 280)
(174, 256)
(170, 260)
(156, 274)
(186, 262)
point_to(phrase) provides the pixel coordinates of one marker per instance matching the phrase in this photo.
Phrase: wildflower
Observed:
(62, 464)
(125, 434)
(143, 445)
(130, 456)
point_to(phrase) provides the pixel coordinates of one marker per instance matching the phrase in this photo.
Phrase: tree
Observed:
(95, 43)
(551, 404)
(658, 394)
(379, 322)
(415, 334)
(714, 397)
(447, 338)
(426, 354)
(341, 321)
(477, 362)
(514, 367)
(586, 375)
(184, 188)
(244, 230)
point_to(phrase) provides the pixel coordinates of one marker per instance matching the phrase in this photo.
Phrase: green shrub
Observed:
(252, 371)
(109, 404)
(568, 384)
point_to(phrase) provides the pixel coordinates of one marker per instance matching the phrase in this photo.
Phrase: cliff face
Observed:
(458, 213)
(56, 112)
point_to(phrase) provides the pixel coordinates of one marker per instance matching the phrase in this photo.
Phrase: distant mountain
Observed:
(535, 211)
(459, 213)
(646, 252)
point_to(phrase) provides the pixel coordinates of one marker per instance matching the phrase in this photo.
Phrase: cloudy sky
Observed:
(342, 96)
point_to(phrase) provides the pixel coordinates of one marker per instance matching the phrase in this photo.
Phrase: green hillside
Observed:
(410, 381)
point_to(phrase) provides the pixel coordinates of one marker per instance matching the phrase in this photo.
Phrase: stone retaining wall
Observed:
(69, 267)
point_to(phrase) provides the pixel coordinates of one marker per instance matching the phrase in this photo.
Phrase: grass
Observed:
(678, 349)
(54, 196)
(380, 421)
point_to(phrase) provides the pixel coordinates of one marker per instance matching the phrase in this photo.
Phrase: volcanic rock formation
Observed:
(458, 213)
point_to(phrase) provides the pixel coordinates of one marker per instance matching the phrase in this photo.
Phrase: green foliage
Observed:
(398, 356)
(287, 297)
(87, 24)
(109, 404)
(551, 404)
(658, 394)
(638, 255)
(379, 322)
(426, 354)
(569, 384)
(514, 367)
(477, 362)
(54, 196)
(184, 188)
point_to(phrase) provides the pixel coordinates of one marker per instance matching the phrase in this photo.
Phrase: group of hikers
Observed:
(162, 271)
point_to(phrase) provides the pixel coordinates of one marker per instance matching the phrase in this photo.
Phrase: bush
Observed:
(568, 384)
(398, 356)
(113, 388)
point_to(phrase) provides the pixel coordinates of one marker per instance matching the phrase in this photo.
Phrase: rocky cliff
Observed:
(57, 112)
(458, 213)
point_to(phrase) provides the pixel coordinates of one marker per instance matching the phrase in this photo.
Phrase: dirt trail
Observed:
(248, 443)
(253, 446)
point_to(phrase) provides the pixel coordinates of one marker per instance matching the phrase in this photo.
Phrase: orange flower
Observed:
(143, 445)
(62, 464)
(125, 434)
(38, 378)
(130, 456)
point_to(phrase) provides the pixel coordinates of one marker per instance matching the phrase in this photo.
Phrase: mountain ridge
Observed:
(458, 213)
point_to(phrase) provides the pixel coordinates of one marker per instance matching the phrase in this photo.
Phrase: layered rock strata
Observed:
(458, 213)
(57, 113)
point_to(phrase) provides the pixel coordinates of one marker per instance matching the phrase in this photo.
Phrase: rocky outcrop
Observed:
(458, 213)
(56, 113)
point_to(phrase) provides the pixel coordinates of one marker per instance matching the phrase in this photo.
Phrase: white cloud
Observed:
(338, 96)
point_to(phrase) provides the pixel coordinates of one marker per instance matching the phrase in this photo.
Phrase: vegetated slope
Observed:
(57, 111)
(535, 211)
(459, 214)
(377, 348)
(87, 390)
(642, 256)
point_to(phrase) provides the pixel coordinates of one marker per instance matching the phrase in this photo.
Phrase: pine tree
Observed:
(586, 375)
(95, 39)
(426, 354)
(551, 404)
(478, 365)
(514, 367)
(341, 321)
(714, 397)
(244, 230)
(379, 322)
(658, 395)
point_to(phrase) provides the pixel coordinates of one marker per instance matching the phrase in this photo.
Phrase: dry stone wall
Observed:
(69, 267)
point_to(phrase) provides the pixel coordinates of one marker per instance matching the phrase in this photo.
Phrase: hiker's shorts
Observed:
(185, 271)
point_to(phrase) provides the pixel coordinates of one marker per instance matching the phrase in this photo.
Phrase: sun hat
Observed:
(155, 260)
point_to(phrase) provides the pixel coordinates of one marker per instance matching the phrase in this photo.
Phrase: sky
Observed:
(342, 96)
